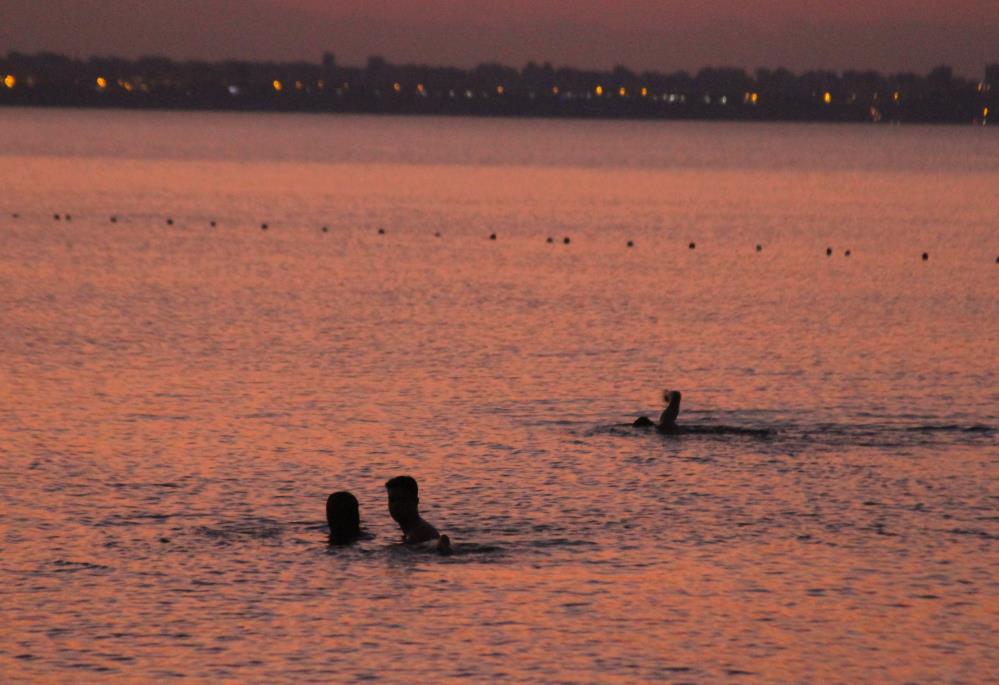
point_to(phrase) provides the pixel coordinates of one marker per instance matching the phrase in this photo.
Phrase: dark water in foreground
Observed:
(177, 401)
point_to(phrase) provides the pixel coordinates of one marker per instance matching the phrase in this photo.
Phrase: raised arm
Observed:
(667, 419)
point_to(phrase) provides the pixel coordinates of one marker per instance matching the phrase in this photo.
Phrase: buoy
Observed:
(492, 236)
(56, 217)
(381, 231)
(69, 217)
(846, 254)
(926, 256)
(437, 234)
(828, 252)
(264, 227)
(212, 223)
(16, 215)
(326, 229)
(631, 243)
(114, 219)
(759, 248)
(169, 222)
(566, 240)
(550, 239)
(692, 246)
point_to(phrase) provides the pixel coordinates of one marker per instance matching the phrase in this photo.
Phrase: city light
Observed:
(9, 81)
(421, 89)
(554, 90)
(102, 82)
(599, 90)
(622, 92)
(397, 87)
(278, 86)
(827, 97)
(645, 92)
(499, 90)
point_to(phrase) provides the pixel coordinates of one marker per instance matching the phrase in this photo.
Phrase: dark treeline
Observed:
(492, 89)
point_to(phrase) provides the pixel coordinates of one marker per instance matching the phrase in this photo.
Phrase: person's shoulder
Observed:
(422, 532)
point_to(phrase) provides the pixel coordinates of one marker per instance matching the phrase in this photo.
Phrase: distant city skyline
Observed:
(890, 36)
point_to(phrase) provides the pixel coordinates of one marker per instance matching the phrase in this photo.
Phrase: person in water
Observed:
(404, 507)
(343, 515)
(667, 420)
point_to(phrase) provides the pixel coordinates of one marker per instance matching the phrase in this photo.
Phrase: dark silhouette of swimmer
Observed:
(667, 420)
(404, 507)
(344, 517)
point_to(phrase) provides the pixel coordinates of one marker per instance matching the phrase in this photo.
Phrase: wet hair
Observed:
(343, 515)
(405, 483)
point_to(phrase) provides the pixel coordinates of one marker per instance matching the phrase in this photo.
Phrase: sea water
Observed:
(177, 399)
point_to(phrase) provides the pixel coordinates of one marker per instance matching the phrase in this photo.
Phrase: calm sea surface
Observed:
(176, 401)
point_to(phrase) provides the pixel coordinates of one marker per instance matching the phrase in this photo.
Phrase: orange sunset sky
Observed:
(888, 35)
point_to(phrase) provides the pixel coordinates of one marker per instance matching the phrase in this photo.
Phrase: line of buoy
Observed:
(437, 234)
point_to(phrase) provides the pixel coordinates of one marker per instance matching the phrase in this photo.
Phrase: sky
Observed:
(664, 35)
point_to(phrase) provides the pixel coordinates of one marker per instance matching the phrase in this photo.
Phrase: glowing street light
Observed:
(9, 81)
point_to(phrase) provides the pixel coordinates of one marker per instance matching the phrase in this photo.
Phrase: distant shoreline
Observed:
(493, 90)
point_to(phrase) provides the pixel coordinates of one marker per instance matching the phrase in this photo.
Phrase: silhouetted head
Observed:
(403, 499)
(344, 517)
(670, 395)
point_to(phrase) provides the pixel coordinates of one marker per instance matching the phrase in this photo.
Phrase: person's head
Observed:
(403, 498)
(671, 395)
(343, 515)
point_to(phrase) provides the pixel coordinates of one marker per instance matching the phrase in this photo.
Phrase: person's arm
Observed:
(672, 410)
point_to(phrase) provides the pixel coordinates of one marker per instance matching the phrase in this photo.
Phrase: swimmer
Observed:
(404, 507)
(667, 420)
(344, 518)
